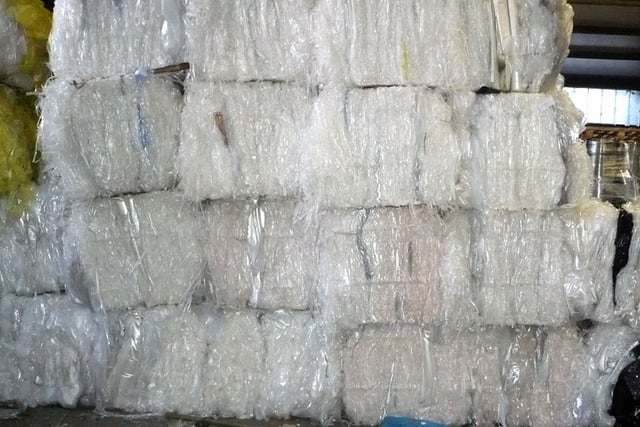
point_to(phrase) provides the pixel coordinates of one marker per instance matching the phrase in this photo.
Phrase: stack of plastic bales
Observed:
(46, 341)
(348, 209)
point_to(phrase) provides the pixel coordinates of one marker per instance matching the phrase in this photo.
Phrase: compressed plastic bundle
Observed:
(384, 146)
(627, 292)
(95, 157)
(31, 259)
(405, 145)
(611, 349)
(24, 29)
(47, 345)
(259, 254)
(389, 265)
(519, 149)
(156, 361)
(564, 388)
(544, 267)
(18, 127)
(412, 377)
(133, 250)
(510, 46)
(115, 37)
(249, 40)
(238, 140)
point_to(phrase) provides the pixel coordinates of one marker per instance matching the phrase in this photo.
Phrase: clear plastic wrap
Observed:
(14, 45)
(115, 37)
(406, 145)
(132, 250)
(209, 362)
(506, 376)
(31, 259)
(111, 136)
(238, 140)
(389, 265)
(249, 40)
(259, 254)
(47, 345)
(544, 267)
(627, 283)
(610, 347)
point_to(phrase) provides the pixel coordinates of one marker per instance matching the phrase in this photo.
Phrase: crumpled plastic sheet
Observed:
(259, 254)
(517, 46)
(226, 363)
(239, 140)
(115, 37)
(131, 250)
(31, 259)
(389, 265)
(249, 40)
(111, 136)
(14, 45)
(544, 267)
(610, 347)
(512, 376)
(47, 345)
(627, 289)
(405, 145)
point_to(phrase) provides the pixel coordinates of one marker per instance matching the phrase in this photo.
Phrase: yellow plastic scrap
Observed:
(18, 128)
(36, 22)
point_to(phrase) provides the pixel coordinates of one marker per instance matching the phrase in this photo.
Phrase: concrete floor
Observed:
(60, 417)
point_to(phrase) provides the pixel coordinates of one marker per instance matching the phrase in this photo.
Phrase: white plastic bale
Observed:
(564, 385)
(382, 266)
(238, 140)
(412, 377)
(31, 259)
(259, 254)
(579, 181)
(156, 363)
(47, 343)
(544, 267)
(249, 40)
(234, 367)
(301, 376)
(132, 250)
(115, 37)
(627, 292)
(384, 146)
(516, 152)
(111, 136)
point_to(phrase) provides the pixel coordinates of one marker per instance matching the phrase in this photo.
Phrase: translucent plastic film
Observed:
(132, 250)
(259, 254)
(627, 290)
(47, 345)
(115, 37)
(511, 376)
(31, 259)
(239, 140)
(111, 136)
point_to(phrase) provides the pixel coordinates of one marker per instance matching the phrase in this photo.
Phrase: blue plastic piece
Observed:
(407, 422)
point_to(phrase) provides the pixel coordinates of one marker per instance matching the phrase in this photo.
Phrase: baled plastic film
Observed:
(404, 42)
(382, 146)
(517, 147)
(31, 259)
(627, 290)
(388, 265)
(259, 254)
(47, 345)
(132, 250)
(249, 40)
(610, 347)
(544, 267)
(238, 140)
(115, 37)
(111, 136)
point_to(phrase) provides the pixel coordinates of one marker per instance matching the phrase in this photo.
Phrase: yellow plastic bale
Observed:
(18, 128)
